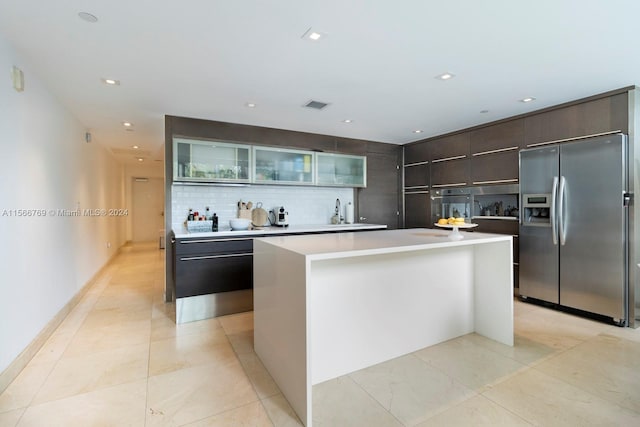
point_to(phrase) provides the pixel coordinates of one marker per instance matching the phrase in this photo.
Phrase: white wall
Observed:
(306, 205)
(46, 164)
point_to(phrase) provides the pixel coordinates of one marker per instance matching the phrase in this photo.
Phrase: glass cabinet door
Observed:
(274, 165)
(341, 170)
(210, 161)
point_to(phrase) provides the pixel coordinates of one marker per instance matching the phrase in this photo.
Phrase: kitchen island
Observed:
(327, 305)
(213, 271)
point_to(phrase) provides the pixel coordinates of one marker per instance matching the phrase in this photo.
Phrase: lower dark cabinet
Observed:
(213, 266)
(417, 210)
(201, 276)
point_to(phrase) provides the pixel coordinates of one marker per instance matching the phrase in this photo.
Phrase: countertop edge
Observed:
(275, 231)
(398, 248)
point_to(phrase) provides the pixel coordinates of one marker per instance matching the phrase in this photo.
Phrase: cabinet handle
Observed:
(495, 181)
(557, 141)
(417, 192)
(449, 158)
(456, 184)
(416, 187)
(195, 258)
(499, 150)
(416, 164)
(184, 242)
(362, 218)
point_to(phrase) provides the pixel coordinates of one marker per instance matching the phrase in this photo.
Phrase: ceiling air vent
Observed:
(316, 104)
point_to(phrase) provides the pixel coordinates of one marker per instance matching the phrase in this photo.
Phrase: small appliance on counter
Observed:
(281, 217)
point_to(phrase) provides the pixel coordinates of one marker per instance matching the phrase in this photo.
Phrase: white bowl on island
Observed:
(239, 223)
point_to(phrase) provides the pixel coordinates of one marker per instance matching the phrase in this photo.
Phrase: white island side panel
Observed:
(366, 310)
(280, 325)
(493, 296)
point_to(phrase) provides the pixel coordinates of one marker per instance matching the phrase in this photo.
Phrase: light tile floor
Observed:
(119, 359)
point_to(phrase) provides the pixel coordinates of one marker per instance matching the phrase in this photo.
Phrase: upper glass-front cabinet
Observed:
(283, 166)
(341, 170)
(210, 161)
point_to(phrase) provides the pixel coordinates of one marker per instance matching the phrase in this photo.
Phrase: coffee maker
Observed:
(281, 217)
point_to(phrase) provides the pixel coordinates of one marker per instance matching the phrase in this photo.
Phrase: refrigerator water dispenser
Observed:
(536, 210)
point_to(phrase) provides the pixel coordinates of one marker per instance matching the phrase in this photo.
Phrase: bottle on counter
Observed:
(207, 214)
(214, 221)
(190, 216)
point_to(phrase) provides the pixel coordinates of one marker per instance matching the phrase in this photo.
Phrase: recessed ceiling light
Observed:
(110, 82)
(445, 76)
(127, 124)
(135, 147)
(140, 159)
(85, 16)
(313, 35)
(250, 105)
(417, 131)
(527, 99)
(347, 121)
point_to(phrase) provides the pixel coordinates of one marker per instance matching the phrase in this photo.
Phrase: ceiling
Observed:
(376, 64)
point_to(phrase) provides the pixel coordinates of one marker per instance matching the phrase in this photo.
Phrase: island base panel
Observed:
(190, 309)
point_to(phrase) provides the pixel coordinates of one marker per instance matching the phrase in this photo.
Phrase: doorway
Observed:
(147, 208)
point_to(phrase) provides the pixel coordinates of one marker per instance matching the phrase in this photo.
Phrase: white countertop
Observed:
(342, 245)
(303, 228)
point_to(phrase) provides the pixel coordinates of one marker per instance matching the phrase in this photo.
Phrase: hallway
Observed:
(119, 359)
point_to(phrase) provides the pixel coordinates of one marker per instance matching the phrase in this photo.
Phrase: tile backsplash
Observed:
(305, 205)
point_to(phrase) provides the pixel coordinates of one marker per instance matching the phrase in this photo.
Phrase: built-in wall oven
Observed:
(451, 202)
(494, 208)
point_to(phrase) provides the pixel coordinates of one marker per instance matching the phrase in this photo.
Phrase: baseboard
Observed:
(13, 370)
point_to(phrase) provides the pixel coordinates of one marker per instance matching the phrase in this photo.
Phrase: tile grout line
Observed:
(249, 379)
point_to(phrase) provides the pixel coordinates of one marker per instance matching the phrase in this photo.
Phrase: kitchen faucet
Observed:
(337, 215)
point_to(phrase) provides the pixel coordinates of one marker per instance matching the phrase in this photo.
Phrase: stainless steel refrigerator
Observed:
(574, 225)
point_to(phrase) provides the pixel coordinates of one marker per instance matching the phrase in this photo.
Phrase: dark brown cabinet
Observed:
(207, 266)
(494, 153)
(417, 207)
(416, 153)
(416, 175)
(378, 203)
(497, 168)
(450, 147)
(592, 117)
(450, 173)
(450, 161)
(499, 137)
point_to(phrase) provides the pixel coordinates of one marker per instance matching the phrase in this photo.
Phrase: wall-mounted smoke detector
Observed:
(317, 105)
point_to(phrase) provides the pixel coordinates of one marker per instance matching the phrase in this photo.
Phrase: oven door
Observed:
(451, 202)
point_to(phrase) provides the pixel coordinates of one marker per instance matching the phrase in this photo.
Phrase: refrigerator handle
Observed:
(562, 218)
(552, 214)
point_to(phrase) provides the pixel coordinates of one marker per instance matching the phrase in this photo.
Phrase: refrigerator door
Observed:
(538, 265)
(593, 223)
